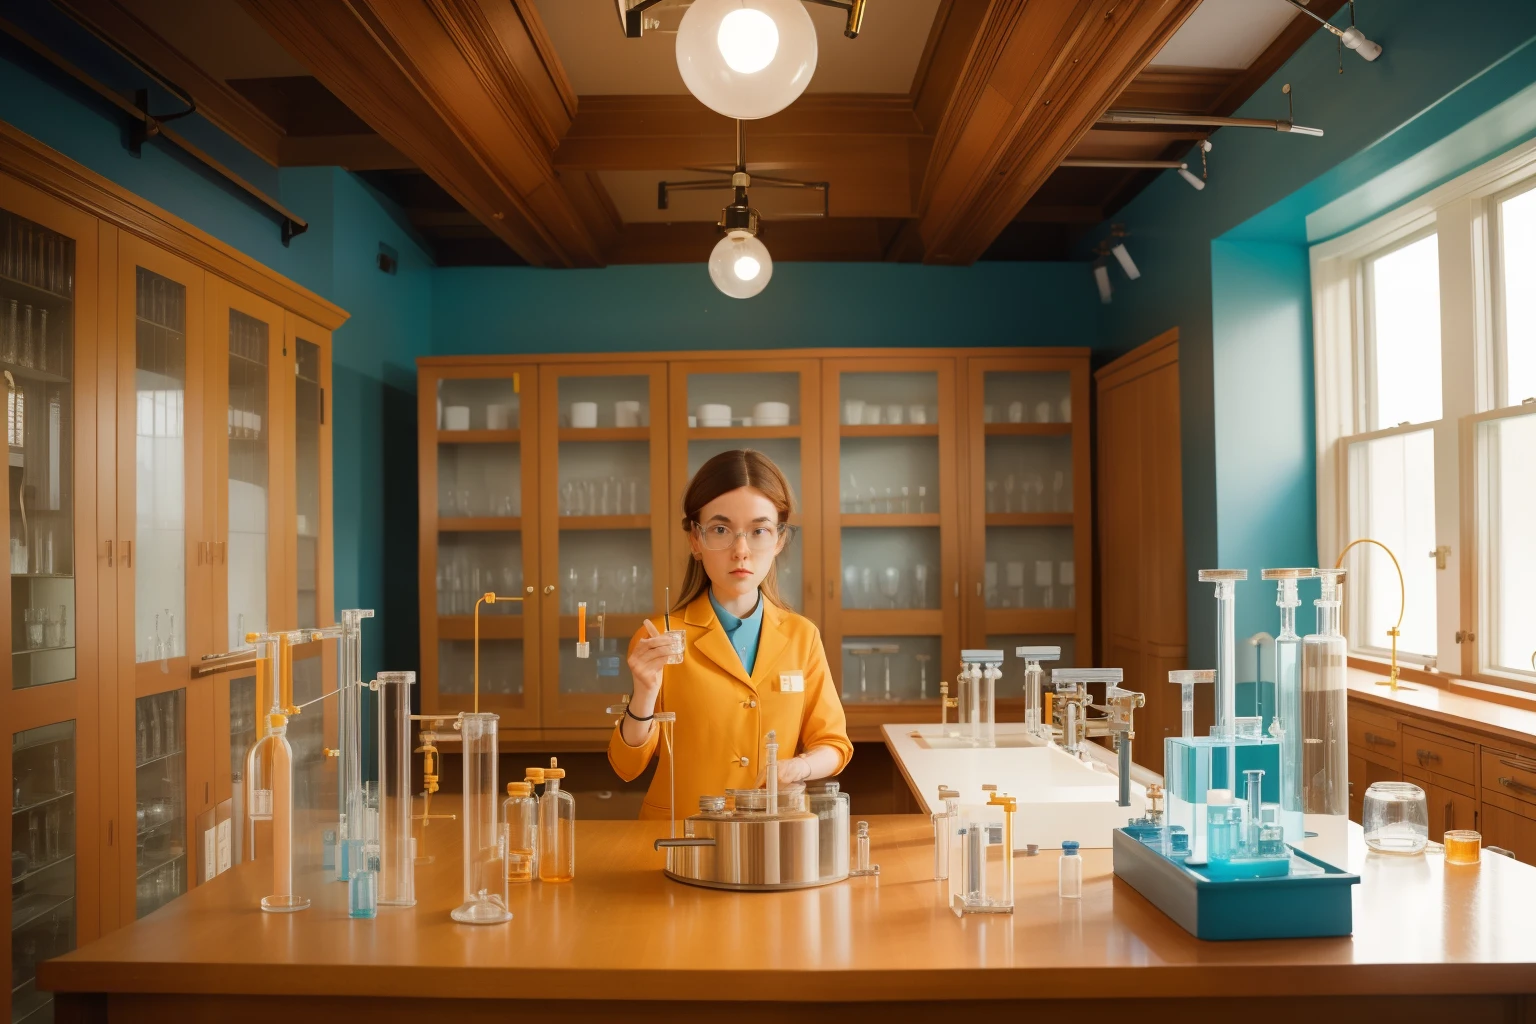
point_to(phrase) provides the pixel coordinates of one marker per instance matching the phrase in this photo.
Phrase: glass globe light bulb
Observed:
(748, 39)
(740, 265)
(746, 58)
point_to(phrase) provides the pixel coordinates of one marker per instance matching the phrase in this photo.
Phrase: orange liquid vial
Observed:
(1463, 847)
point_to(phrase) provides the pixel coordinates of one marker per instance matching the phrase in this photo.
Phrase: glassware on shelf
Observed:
(1043, 584)
(890, 586)
(989, 576)
(920, 585)
(1014, 574)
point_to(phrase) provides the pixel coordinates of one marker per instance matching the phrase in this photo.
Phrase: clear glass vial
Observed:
(1069, 872)
(520, 832)
(557, 828)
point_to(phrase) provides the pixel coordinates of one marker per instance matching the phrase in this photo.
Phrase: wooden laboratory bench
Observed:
(623, 940)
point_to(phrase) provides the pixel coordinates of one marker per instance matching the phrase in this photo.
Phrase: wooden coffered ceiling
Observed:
(531, 131)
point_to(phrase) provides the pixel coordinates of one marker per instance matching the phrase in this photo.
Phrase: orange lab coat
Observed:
(724, 715)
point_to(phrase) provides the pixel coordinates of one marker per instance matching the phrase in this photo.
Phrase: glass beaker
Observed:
(1462, 846)
(485, 878)
(1396, 818)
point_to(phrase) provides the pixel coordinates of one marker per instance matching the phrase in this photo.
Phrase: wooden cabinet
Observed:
(1143, 628)
(154, 515)
(892, 456)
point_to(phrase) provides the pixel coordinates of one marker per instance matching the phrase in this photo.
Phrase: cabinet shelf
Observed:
(889, 430)
(1027, 429)
(1030, 518)
(743, 433)
(33, 907)
(22, 291)
(479, 436)
(161, 757)
(149, 830)
(33, 373)
(605, 433)
(167, 862)
(24, 808)
(605, 522)
(42, 650)
(479, 524)
(34, 872)
(888, 519)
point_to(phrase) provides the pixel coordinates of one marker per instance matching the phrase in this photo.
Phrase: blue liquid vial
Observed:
(363, 886)
(1224, 826)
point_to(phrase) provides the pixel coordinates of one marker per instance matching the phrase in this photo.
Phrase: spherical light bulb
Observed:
(740, 265)
(748, 39)
(746, 58)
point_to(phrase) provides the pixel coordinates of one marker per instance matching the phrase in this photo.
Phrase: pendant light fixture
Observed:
(739, 265)
(746, 58)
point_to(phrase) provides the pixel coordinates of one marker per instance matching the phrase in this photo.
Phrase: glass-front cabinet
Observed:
(476, 426)
(892, 532)
(49, 308)
(1028, 536)
(603, 499)
(772, 406)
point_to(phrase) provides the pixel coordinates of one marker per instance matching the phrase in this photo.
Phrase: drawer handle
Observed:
(1379, 741)
(1427, 755)
(1509, 783)
(1519, 766)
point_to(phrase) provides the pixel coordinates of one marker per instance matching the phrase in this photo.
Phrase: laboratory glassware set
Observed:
(1236, 798)
(1029, 492)
(902, 499)
(889, 586)
(610, 495)
(1030, 583)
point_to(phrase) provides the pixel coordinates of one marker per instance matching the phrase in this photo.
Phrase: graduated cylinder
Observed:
(485, 876)
(397, 847)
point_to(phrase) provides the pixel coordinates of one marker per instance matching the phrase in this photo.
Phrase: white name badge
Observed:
(791, 682)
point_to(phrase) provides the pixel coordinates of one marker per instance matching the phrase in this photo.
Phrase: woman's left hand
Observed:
(794, 769)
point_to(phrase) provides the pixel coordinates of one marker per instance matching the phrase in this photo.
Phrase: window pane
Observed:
(1518, 235)
(1507, 541)
(1392, 499)
(1405, 336)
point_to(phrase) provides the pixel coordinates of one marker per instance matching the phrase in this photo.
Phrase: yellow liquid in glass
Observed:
(520, 866)
(557, 860)
(1463, 848)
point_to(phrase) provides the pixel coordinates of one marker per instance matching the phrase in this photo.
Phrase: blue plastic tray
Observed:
(1250, 908)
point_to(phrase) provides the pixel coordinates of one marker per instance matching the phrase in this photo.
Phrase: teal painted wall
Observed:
(674, 306)
(374, 380)
(1227, 266)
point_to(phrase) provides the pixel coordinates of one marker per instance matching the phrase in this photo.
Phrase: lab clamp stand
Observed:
(973, 850)
(1115, 718)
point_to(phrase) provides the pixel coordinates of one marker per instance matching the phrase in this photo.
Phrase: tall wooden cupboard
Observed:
(942, 503)
(167, 491)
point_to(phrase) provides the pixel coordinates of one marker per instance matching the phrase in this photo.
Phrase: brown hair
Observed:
(722, 474)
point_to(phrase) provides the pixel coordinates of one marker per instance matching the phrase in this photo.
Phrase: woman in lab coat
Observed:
(750, 665)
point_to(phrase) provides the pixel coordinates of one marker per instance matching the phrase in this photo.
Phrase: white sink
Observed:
(1059, 795)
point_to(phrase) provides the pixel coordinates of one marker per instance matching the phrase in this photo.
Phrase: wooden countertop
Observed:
(623, 931)
(1449, 704)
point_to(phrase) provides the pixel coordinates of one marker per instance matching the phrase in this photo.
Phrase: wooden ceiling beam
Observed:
(1036, 78)
(226, 108)
(469, 90)
(366, 152)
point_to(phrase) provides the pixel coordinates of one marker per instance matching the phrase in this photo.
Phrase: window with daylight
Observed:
(1425, 349)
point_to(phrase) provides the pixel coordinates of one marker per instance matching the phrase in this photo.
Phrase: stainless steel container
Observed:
(745, 848)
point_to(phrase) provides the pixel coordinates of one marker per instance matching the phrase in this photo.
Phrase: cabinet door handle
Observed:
(223, 552)
(549, 588)
(1450, 815)
(1379, 741)
(1509, 783)
(202, 551)
(109, 554)
(127, 554)
(1427, 755)
(109, 831)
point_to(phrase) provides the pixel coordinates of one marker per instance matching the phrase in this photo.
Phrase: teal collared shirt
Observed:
(743, 633)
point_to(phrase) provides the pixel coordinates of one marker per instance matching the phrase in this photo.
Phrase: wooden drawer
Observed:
(1374, 737)
(1511, 775)
(1513, 832)
(1442, 755)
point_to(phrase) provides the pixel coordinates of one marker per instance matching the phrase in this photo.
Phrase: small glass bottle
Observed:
(1224, 826)
(557, 828)
(363, 884)
(943, 822)
(520, 831)
(861, 864)
(1069, 872)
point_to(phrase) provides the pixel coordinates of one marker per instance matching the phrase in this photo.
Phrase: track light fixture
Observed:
(1114, 246)
(739, 265)
(1197, 183)
(1349, 38)
(1160, 117)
